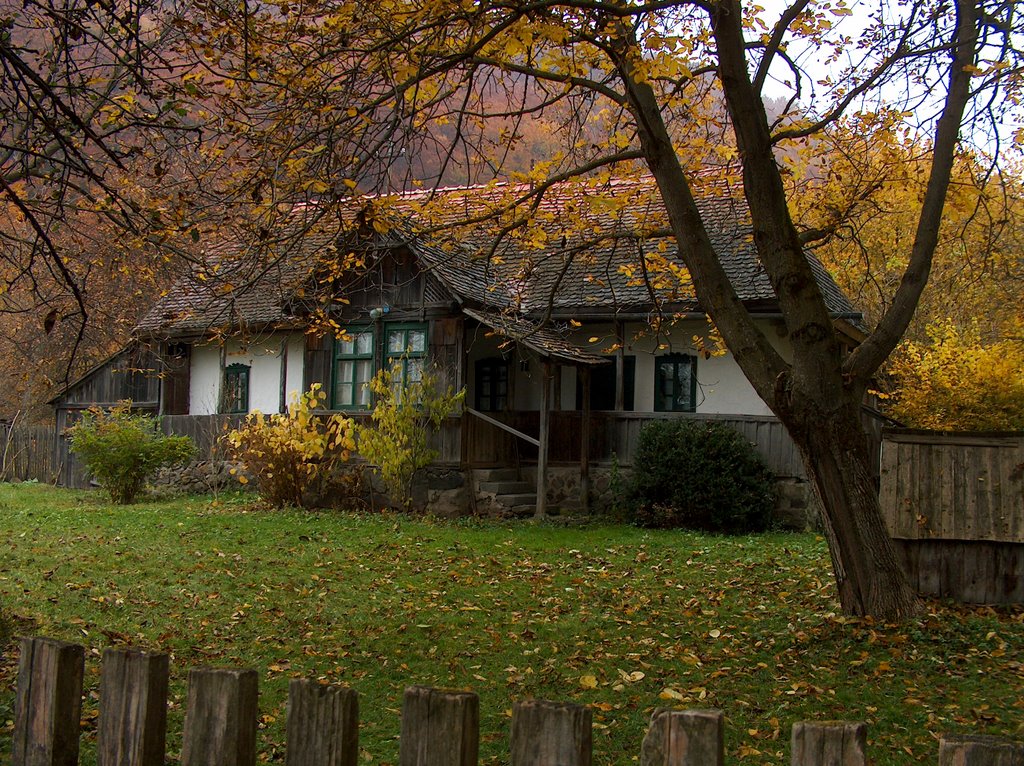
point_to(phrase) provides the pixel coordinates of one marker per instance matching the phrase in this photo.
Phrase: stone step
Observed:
(497, 474)
(521, 511)
(507, 487)
(523, 498)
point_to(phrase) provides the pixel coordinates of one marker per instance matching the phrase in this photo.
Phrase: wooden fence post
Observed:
(980, 751)
(220, 718)
(684, 738)
(830, 743)
(439, 728)
(323, 725)
(133, 708)
(48, 707)
(545, 733)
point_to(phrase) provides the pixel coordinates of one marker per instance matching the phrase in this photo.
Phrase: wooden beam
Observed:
(545, 438)
(979, 750)
(220, 718)
(282, 404)
(503, 426)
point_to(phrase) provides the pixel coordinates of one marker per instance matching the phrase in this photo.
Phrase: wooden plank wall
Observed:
(953, 486)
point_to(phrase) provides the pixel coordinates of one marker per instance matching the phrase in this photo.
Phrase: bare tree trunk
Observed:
(869, 575)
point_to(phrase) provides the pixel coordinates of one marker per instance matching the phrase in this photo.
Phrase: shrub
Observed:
(122, 449)
(699, 475)
(397, 441)
(292, 455)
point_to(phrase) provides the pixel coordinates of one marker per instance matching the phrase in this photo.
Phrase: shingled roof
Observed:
(581, 250)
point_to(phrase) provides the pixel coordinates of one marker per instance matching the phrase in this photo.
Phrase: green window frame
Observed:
(235, 394)
(354, 366)
(675, 383)
(405, 345)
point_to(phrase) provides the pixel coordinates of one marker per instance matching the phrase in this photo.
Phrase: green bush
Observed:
(699, 475)
(122, 449)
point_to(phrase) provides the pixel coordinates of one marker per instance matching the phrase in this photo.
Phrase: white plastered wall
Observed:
(264, 358)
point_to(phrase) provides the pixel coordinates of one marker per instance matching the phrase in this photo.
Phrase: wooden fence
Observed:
(954, 504)
(438, 728)
(36, 453)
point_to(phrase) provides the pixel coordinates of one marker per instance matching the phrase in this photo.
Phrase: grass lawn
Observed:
(610, 616)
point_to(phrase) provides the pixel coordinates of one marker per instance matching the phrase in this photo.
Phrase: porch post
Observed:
(584, 372)
(542, 449)
(620, 366)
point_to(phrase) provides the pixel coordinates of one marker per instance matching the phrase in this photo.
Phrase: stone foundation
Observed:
(796, 505)
(199, 477)
(447, 492)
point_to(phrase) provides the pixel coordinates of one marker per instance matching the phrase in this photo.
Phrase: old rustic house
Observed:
(568, 332)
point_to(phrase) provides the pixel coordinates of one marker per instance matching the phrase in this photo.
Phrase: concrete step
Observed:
(497, 474)
(507, 487)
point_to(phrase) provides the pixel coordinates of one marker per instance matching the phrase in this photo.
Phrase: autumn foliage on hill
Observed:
(960, 366)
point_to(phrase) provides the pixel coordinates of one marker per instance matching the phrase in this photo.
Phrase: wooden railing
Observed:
(439, 728)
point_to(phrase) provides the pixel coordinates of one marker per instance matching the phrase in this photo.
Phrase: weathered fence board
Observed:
(31, 453)
(953, 486)
(979, 751)
(954, 504)
(438, 728)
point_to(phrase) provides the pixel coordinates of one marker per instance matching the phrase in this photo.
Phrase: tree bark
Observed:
(869, 575)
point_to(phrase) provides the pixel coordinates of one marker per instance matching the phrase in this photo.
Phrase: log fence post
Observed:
(439, 728)
(979, 750)
(830, 743)
(133, 708)
(684, 738)
(546, 733)
(323, 725)
(48, 704)
(220, 718)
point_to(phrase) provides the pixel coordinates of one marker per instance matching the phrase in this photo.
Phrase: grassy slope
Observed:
(653, 619)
